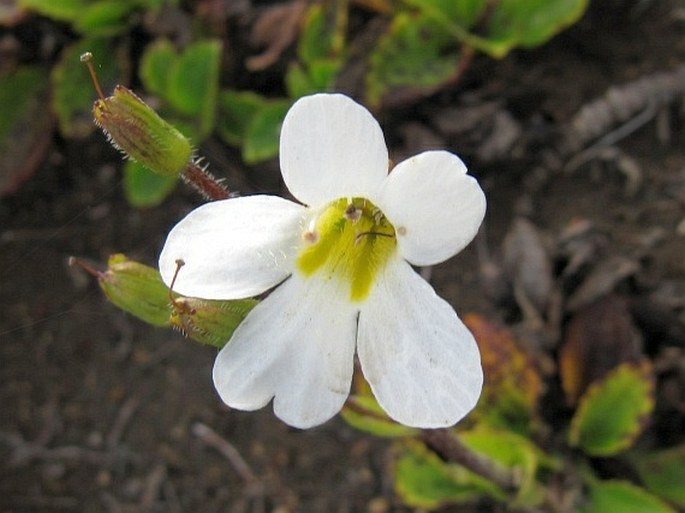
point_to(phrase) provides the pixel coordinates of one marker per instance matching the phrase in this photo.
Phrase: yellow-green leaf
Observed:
(614, 411)
(364, 413)
(663, 472)
(424, 480)
(145, 188)
(414, 54)
(514, 452)
(622, 497)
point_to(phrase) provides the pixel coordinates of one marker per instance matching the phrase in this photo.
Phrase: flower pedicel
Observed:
(340, 264)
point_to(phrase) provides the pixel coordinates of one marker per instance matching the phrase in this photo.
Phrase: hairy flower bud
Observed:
(209, 321)
(137, 289)
(141, 134)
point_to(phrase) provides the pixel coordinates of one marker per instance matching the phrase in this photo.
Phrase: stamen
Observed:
(179, 308)
(87, 58)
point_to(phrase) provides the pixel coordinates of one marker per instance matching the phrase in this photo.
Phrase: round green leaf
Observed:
(423, 480)
(613, 411)
(263, 133)
(663, 473)
(622, 497)
(145, 188)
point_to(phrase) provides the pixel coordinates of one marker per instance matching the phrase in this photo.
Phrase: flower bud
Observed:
(209, 321)
(137, 289)
(141, 134)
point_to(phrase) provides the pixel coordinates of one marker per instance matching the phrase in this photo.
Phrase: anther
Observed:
(352, 212)
(310, 236)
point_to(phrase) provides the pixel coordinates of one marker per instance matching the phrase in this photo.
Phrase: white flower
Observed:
(340, 262)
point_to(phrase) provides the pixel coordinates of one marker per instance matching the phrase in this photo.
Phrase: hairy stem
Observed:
(204, 182)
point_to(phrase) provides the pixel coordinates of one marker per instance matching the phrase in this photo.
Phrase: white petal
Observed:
(422, 363)
(435, 207)
(331, 147)
(233, 248)
(296, 346)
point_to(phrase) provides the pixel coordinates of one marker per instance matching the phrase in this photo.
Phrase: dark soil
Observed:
(101, 412)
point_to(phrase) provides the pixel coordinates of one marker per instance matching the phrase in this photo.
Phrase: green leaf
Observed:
(622, 497)
(516, 453)
(25, 124)
(414, 53)
(464, 13)
(104, 18)
(612, 412)
(145, 188)
(186, 82)
(237, 109)
(263, 133)
(663, 472)
(73, 92)
(93, 18)
(527, 23)
(252, 121)
(317, 39)
(158, 58)
(423, 480)
(194, 82)
(318, 76)
(63, 10)
(18, 99)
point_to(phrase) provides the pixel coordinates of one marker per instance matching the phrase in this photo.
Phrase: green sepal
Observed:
(208, 321)
(141, 134)
(622, 497)
(137, 289)
(613, 411)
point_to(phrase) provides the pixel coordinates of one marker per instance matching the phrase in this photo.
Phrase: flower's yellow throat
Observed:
(350, 240)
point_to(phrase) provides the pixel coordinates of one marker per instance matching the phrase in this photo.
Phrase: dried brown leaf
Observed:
(602, 280)
(275, 29)
(599, 337)
(512, 381)
(527, 264)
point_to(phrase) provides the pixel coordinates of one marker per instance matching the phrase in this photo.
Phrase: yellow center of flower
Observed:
(350, 240)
